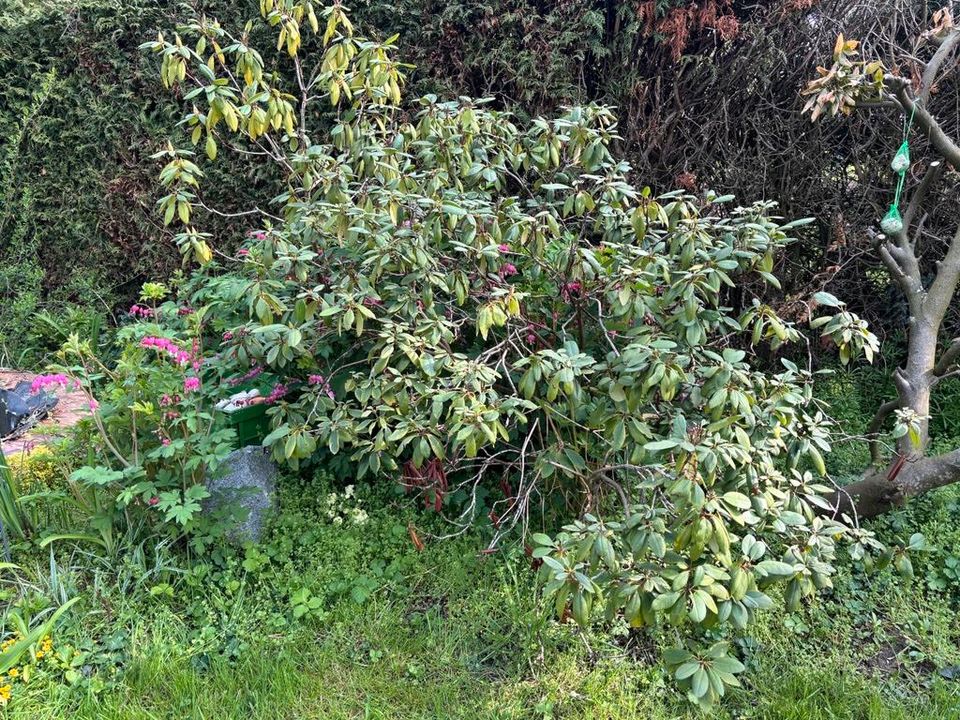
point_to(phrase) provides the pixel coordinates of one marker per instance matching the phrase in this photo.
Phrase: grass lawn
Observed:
(450, 634)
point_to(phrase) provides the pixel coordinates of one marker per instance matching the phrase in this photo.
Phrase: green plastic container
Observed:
(250, 423)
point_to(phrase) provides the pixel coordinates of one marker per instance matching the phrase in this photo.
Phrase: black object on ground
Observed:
(19, 408)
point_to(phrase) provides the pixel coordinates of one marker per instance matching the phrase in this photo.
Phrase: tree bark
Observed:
(915, 381)
(879, 492)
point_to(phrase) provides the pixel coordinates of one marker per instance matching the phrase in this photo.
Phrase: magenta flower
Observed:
(180, 356)
(570, 289)
(93, 404)
(279, 390)
(503, 247)
(141, 311)
(45, 382)
(321, 381)
(252, 373)
(228, 336)
(191, 384)
(508, 269)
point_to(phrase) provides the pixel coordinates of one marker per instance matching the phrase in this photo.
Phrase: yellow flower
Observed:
(14, 672)
(5, 691)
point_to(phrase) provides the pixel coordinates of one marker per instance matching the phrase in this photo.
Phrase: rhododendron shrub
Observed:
(459, 301)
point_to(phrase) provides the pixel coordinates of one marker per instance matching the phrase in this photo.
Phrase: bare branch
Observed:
(938, 137)
(873, 430)
(944, 284)
(943, 53)
(934, 171)
(912, 291)
(949, 357)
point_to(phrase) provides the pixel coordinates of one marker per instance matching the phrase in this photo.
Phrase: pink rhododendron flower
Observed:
(153, 501)
(570, 289)
(93, 405)
(228, 335)
(252, 373)
(45, 382)
(324, 385)
(508, 269)
(279, 390)
(191, 384)
(503, 247)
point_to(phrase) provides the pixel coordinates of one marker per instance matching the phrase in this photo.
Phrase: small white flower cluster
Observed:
(345, 507)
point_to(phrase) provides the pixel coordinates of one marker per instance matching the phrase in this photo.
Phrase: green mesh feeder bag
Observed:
(901, 161)
(892, 223)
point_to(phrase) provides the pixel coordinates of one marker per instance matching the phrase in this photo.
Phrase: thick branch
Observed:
(880, 492)
(949, 357)
(944, 285)
(947, 46)
(938, 138)
(903, 272)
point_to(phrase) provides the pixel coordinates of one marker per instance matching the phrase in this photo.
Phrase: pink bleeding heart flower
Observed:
(46, 382)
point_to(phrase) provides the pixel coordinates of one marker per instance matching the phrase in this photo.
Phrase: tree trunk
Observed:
(911, 473)
(915, 381)
(881, 491)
